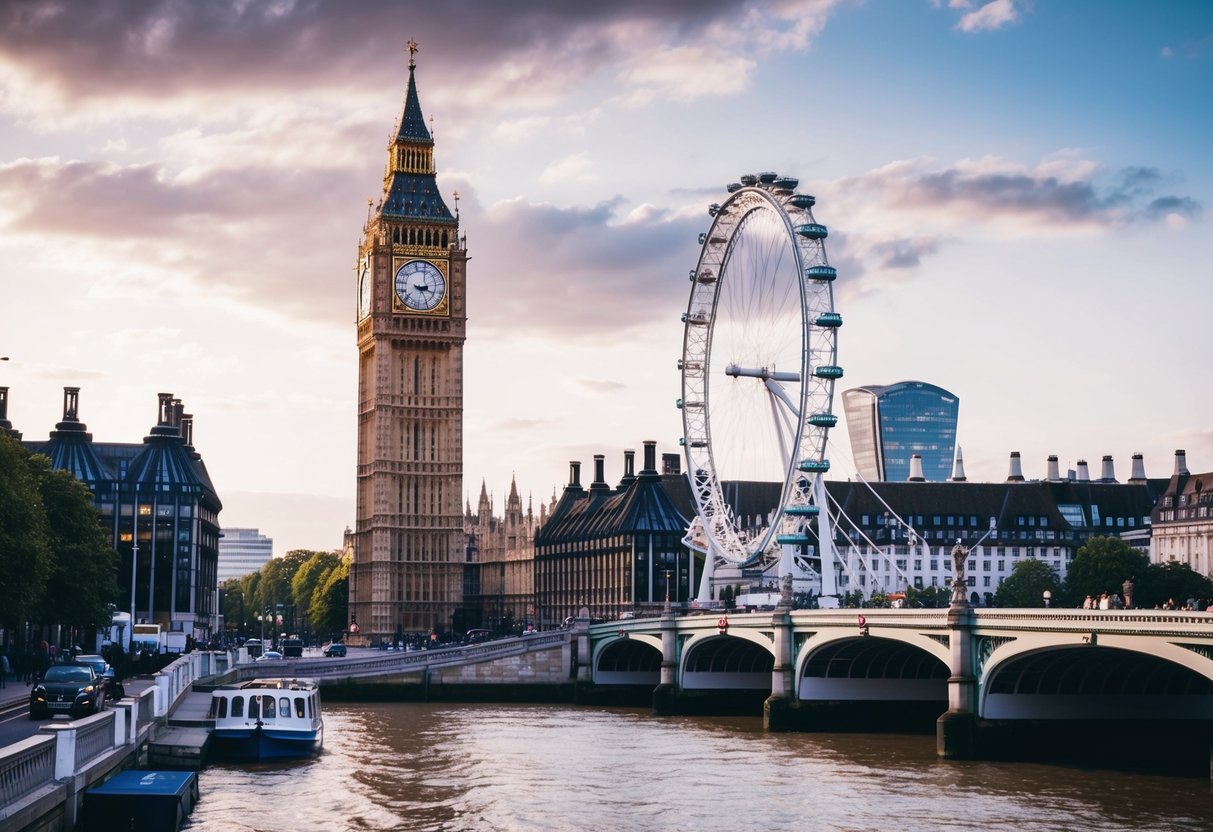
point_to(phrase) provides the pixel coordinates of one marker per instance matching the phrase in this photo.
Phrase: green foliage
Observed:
(26, 559)
(1170, 582)
(309, 576)
(329, 611)
(81, 587)
(930, 597)
(728, 598)
(54, 564)
(1027, 584)
(853, 599)
(1101, 565)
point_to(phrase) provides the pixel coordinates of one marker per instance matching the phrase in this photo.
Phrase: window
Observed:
(267, 707)
(284, 706)
(985, 567)
(299, 709)
(934, 565)
(254, 707)
(1002, 566)
(985, 581)
(238, 706)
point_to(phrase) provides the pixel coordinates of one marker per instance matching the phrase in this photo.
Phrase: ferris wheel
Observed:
(758, 367)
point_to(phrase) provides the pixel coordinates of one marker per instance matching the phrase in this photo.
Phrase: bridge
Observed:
(991, 678)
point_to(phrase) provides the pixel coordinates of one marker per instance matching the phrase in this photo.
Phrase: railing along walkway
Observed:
(408, 661)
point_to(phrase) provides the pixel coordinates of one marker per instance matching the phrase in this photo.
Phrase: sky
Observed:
(1018, 195)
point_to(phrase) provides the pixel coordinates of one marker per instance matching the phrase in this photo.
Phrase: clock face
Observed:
(420, 285)
(364, 289)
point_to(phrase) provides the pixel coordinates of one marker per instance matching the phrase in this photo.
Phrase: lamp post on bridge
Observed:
(960, 554)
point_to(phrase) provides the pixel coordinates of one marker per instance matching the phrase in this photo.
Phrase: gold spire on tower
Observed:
(412, 44)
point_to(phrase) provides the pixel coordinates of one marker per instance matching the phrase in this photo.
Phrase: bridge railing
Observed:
(25, 767)
(403, 661)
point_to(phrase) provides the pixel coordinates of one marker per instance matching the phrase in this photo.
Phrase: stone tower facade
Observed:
(411, 272)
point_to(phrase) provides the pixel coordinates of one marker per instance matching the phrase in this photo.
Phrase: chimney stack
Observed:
(958, 466)
(1083, 474)
(650, 457)
(671, 464)
(1181, 463)
(916, 469)
(1016, 472)
(1106, 472)
(599, 483)
(71, 404)
(1138, 475)
(574, 475)
(629, 469)
(1053, 475)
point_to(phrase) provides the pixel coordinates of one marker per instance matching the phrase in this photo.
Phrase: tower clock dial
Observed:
(420, 285)
(364, 288)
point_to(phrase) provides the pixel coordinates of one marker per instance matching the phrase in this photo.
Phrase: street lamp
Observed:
(1048, 595)
(960, 553)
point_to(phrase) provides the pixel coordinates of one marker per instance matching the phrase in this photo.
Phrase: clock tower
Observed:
(407, 574)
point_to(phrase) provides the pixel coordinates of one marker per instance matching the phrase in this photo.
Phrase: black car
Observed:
(335, 649)
(73, 689)
(113, 688)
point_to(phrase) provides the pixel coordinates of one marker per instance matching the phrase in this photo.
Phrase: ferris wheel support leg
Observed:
(705, 580)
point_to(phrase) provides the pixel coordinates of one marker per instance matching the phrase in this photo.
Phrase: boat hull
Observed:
(260, 744)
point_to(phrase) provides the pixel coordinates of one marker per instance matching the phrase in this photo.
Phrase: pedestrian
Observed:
(4, 669)
(1103, 601)
(1088, 603)
(1127, 590)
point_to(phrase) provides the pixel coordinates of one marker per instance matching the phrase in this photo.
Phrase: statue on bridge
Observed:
(959, 587)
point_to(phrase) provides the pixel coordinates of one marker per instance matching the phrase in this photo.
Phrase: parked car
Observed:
(73, 689)
(113, 688)
(269, 656)
(334, 650)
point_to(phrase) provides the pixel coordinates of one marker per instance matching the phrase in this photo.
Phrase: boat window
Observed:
(237, 706)
(222, 703)
(267, 707)
(254, 707)
(214, 708)
(299, 711)
(284, 706)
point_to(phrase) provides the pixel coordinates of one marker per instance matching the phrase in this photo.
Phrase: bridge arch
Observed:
(1105, 680)
(628, 661)
(727, 662)
(871, 668)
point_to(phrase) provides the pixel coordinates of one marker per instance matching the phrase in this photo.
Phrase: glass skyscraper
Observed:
(890, 423)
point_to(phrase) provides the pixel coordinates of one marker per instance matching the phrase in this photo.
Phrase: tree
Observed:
(1171, 581)
(1026, 585)
(308, 577)
(330, 602)
(82, 586)
(931, 597)
(1101, 565)
(25, 554)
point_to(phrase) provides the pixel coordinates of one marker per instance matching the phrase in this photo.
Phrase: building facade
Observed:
(243, 552)
(499, 573)
(1183, 520)
(616, 550)
(159, 511)
(889, 424)
(409, 545)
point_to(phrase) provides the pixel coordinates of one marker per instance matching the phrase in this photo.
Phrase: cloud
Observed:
(62, 63)
(904, 253)
(990, 17)
(576, 167)
(1054, 195)
(576, 272)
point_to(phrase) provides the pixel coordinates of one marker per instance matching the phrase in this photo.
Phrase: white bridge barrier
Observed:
(39, 773)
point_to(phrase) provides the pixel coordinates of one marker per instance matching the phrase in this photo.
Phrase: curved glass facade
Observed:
(890, 423)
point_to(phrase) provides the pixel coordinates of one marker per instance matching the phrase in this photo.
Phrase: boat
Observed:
(267, 719)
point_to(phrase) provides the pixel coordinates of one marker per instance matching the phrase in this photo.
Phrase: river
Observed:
(430, 766)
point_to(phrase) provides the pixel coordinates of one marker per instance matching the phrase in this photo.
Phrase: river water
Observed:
(427, 766)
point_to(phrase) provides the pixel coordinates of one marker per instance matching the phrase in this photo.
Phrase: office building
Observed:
(242, 552)
(889, 424)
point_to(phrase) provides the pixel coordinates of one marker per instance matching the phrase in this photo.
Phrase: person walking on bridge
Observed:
(1127, 592)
